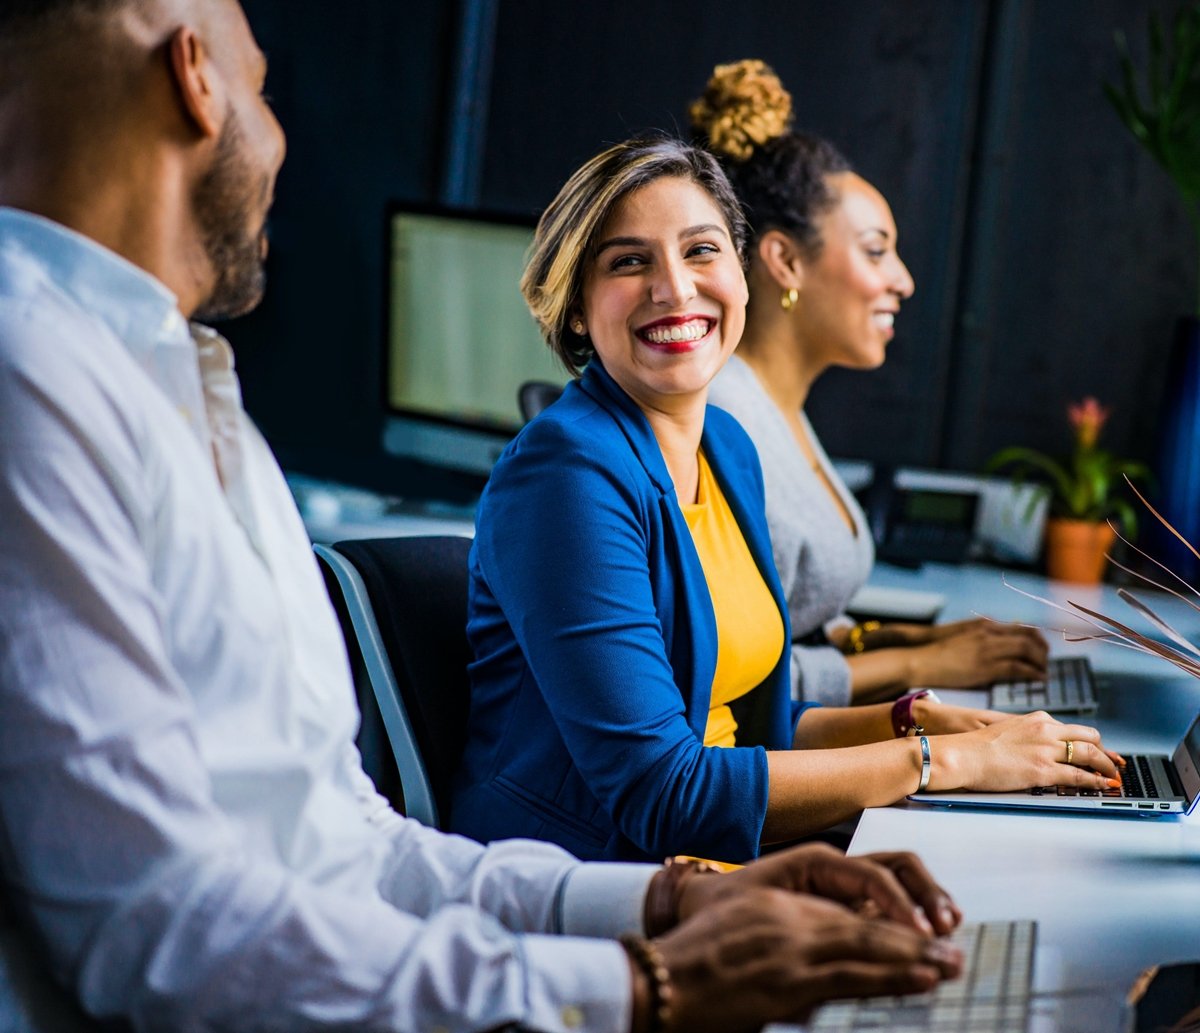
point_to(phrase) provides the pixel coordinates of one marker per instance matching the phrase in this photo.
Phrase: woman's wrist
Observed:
(947, 762)
(855, 641)
(924, 710)
(910, 714)
(915, 668)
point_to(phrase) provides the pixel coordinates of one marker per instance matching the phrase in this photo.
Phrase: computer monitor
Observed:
(459, 339)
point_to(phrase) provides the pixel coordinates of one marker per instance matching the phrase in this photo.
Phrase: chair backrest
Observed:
(534, 395)
(407, 602)
(30, 1000)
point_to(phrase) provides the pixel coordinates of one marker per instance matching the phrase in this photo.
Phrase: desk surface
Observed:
(1113, 895)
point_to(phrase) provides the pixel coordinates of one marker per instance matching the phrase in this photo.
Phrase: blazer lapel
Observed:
(692, 640)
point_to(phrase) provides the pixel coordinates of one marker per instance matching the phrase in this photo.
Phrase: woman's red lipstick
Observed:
(676, 334)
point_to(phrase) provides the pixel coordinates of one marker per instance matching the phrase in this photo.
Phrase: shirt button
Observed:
(572, 1017)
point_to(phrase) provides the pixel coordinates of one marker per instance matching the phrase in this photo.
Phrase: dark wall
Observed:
(1051, 255)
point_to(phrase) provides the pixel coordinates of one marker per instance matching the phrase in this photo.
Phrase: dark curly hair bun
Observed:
(743, 106)
(782, 178)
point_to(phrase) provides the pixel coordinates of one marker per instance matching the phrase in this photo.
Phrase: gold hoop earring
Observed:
(789, 298)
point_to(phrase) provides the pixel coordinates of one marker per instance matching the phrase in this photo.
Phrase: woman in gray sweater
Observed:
(826, 283)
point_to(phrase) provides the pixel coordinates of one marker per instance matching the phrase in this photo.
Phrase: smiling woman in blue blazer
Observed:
(630, 689)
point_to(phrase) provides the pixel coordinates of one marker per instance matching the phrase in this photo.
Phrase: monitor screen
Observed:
(460, 339)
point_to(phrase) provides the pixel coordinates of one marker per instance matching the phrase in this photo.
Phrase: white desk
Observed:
(1111, 895)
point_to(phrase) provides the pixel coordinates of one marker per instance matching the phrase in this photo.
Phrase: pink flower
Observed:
(1087, 417)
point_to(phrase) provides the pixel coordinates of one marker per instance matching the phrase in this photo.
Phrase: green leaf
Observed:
(1127, 515)
(1028, 459)
(1168, 124)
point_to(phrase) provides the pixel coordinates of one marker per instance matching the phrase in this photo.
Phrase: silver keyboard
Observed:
(993, 995)
(1069, 688)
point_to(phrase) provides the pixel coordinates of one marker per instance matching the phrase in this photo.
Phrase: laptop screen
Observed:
(1186, 761)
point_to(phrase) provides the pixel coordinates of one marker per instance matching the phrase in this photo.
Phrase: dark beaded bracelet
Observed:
(648, 958)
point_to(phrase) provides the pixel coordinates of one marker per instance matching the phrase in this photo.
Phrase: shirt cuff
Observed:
(577, 985)
(821, 675)
(605, 900)
(842, 622)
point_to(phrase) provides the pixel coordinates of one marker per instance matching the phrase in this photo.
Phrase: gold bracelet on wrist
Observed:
(854, 640)
(649, 960)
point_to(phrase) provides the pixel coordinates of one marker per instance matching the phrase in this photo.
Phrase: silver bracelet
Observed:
(925, 764)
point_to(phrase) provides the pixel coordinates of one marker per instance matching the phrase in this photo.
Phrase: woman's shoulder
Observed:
(573, 448)
(575, 425)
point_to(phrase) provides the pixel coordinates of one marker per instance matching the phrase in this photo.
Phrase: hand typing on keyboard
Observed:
(785, 933)
(1021, 752)
(966, 654)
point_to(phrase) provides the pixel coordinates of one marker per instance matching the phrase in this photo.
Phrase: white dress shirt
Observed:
(183, 815)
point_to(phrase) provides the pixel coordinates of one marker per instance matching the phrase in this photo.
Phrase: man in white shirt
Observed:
(184, 821)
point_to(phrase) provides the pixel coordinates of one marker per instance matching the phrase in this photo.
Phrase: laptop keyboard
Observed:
(991, 996)
(1070, 687)
(1137, 783)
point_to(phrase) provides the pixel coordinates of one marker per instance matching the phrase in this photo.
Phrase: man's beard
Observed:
(222, 204)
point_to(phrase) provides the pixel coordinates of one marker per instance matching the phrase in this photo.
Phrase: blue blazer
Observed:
(595, 645)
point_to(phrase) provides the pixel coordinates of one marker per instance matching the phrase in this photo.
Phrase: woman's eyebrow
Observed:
(691, 231)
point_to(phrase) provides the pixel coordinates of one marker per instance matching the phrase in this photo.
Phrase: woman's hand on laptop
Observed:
(939, 718)
(1023, 752)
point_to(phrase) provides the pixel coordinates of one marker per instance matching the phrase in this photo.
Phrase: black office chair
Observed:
(534, 395)
(405, 600)
(30, 1000)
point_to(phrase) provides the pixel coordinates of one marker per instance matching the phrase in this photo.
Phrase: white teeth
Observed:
(885, 320)
(691, 331)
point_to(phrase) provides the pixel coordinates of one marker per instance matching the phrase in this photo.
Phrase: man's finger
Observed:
(856, 879)
(921, 886)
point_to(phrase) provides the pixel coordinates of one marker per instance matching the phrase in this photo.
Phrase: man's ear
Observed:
(196, 79)
(782, 260)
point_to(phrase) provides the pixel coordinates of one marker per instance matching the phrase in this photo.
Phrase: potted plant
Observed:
(1084, 494)
(1167, 124)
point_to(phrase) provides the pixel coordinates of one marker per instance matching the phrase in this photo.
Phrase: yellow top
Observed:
(749, 627)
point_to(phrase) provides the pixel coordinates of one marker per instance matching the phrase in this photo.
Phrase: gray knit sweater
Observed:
(821, 563)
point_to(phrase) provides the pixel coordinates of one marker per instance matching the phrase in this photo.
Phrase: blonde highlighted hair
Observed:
(567, 232)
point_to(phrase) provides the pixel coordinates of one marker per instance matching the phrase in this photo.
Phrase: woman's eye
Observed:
(703, 249)
(627, 262)
(876, 254)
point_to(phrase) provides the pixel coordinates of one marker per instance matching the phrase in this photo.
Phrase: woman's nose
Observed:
(672, 284)
(902, 281)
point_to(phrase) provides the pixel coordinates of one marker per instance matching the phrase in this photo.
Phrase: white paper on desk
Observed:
(897, 604)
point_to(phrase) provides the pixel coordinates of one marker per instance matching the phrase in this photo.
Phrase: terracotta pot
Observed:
(1075, 549)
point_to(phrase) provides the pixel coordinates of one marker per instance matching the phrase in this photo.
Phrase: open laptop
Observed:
(1153, 784)
(1069, 688)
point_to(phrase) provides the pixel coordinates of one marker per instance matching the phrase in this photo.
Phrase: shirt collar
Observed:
(139, 309)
